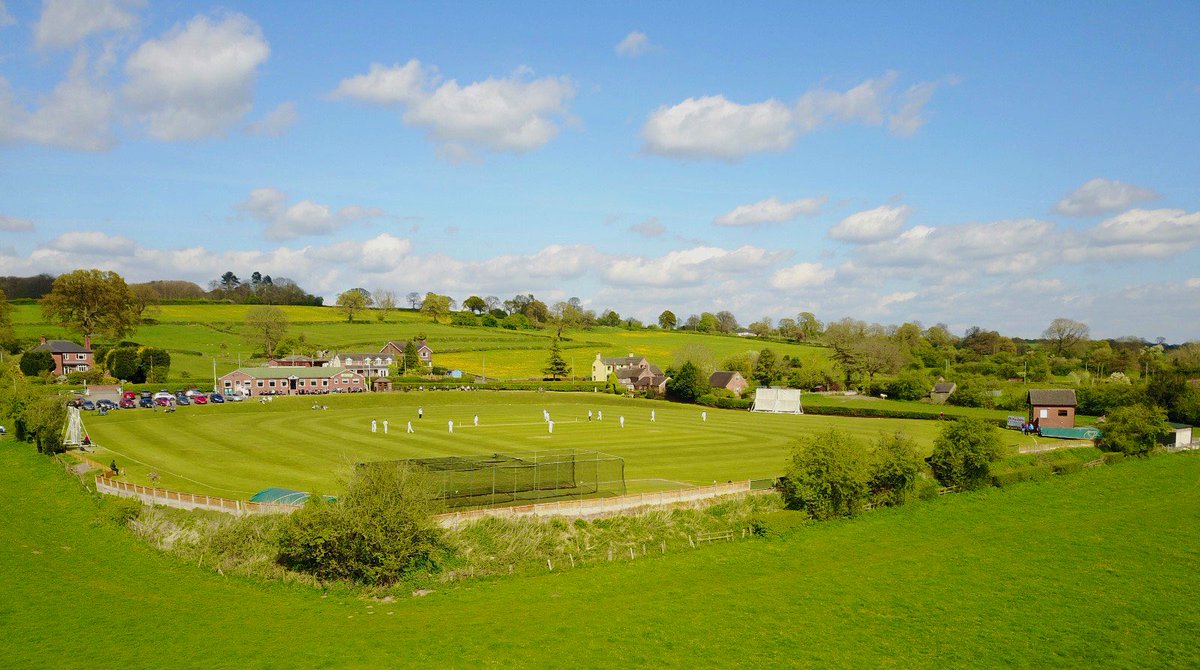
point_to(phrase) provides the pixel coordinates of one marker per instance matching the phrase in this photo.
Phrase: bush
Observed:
(687, 384)
(120, 511)
(909, 385)
(895, 469)
(92, 376)
(379, 531)
(828, 476)
(34, 363)
(1022, 474)
(1134, 430)
(963, 453)
(928, 489)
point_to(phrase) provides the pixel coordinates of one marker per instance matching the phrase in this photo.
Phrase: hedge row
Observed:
(723, 402)
(876, 413)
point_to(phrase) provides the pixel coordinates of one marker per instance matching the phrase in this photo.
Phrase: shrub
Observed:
(963, 453)
(687, 384)
(927, 489)
(828, 476)
(1022, 474)
(34, 363)
(120, 511)
(895, 469)
(379, 531)
(1134, 430)
(909, 385)
(92, 376)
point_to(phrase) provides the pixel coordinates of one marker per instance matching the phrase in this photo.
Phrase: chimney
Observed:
(87, 342)
(43, 339)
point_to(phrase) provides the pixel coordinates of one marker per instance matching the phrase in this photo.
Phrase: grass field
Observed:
(235, 450)
(1096, 569)
(196, 335)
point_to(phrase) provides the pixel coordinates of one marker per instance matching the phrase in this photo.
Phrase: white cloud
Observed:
(635, 44)
(6, 19)
(196, 80)
(65, 23)
(1100, 196)
(11, 224)
(1137, 234)
(1193, 282)
(285, 222)
(77, 114)
(771, 210)
(276, 122)
(686, 267)
(92, 243)
(801, 275)
(512, 114)
(897, 297)
(713, 127)
(648, 228)
(872, 225)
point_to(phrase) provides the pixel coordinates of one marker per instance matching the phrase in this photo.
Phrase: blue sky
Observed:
(966, 163)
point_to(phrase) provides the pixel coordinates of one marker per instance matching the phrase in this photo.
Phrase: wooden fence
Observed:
(151, 495)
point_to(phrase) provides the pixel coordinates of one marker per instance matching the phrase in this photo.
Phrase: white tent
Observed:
(778, 401)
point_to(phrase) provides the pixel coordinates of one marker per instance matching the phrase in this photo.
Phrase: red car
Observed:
(128, 403)
(199, 400)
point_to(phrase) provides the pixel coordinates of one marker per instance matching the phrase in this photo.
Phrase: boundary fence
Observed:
(575, 509)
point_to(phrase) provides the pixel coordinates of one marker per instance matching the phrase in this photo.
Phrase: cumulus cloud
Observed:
(65, 23)
(92, 243)
(77, 114)
(11, 224)
(872, 225)
(1138, 234)
(513, 114)
(635, 44)
(198, 79)
(285, 222)
(276, 122)
(686, 267)
(1100, 196)
(771, 210)
(801, 275)
(715, 127)
(648, 228)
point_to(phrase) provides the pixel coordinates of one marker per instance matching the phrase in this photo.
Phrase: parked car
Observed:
(3, 430)
(217, 398)
(191, 393)
(129, 395)
(164, 394)
(89, 405)
(200, 399)
(163, 402)
(146, 401)
(234, 397)
(181, 399)
(105, 404)
(128, 403)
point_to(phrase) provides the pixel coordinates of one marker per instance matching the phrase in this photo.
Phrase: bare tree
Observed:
(414, 299)
(1065, 334)
(266, 325)
(385, 301)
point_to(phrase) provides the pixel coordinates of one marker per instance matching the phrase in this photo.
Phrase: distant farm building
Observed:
(68, 356)
(941, 392)
(396, 349)
(634, 372)
(367, 365)
(1052, 408)
(291, 381)
(724, 379)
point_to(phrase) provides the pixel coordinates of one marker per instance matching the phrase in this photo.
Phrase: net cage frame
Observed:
(519, 478)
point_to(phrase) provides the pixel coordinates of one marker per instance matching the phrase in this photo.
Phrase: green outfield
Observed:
(198, 335)
(235, 450)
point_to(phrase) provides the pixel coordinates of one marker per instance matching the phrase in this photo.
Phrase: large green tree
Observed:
(352, 302)
(687, 384)
(963, 453)
(92, 302)
(828, 476)
(667, 320)
(556, 367)
(436, 306)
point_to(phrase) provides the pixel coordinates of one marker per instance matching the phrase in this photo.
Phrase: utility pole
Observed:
(214, 374)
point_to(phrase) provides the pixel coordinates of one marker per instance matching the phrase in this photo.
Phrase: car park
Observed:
(182, 399)
(127, 403)
(88, 405)
(234, 397)
(105, 404)
(200, 399)
(146, 401)
(216, 398)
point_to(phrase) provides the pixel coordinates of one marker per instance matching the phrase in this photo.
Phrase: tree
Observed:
(828, 476)
(895, 469)
(145, 300)
(1064, 335)
(436, 306)
(385, 301)
(352, 302)
(90, 302)
(7, 336)
(43, 421)
(609, 317)
(879, 354)
(768, 369)
(493, 303)
(475, 304)
(556, 367)
(34, 363)
(380, 529)
(810, 328)
(266, 326)
(963, 452)
(667, 320)
(762, 327)
(726, 322)
(154, 364)
(708, 323)
(687, 384)
(229, 281)
(414, 299)
(1134, 430)
(412, 358)
(124, 364)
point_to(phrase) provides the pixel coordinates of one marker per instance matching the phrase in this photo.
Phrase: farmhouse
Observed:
(396, 350)
(68, 356)
(941, 392)
(634, 372)
(603, 367)
(367, 365)
(291, 381)
(1052, 408)
(724, 379)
